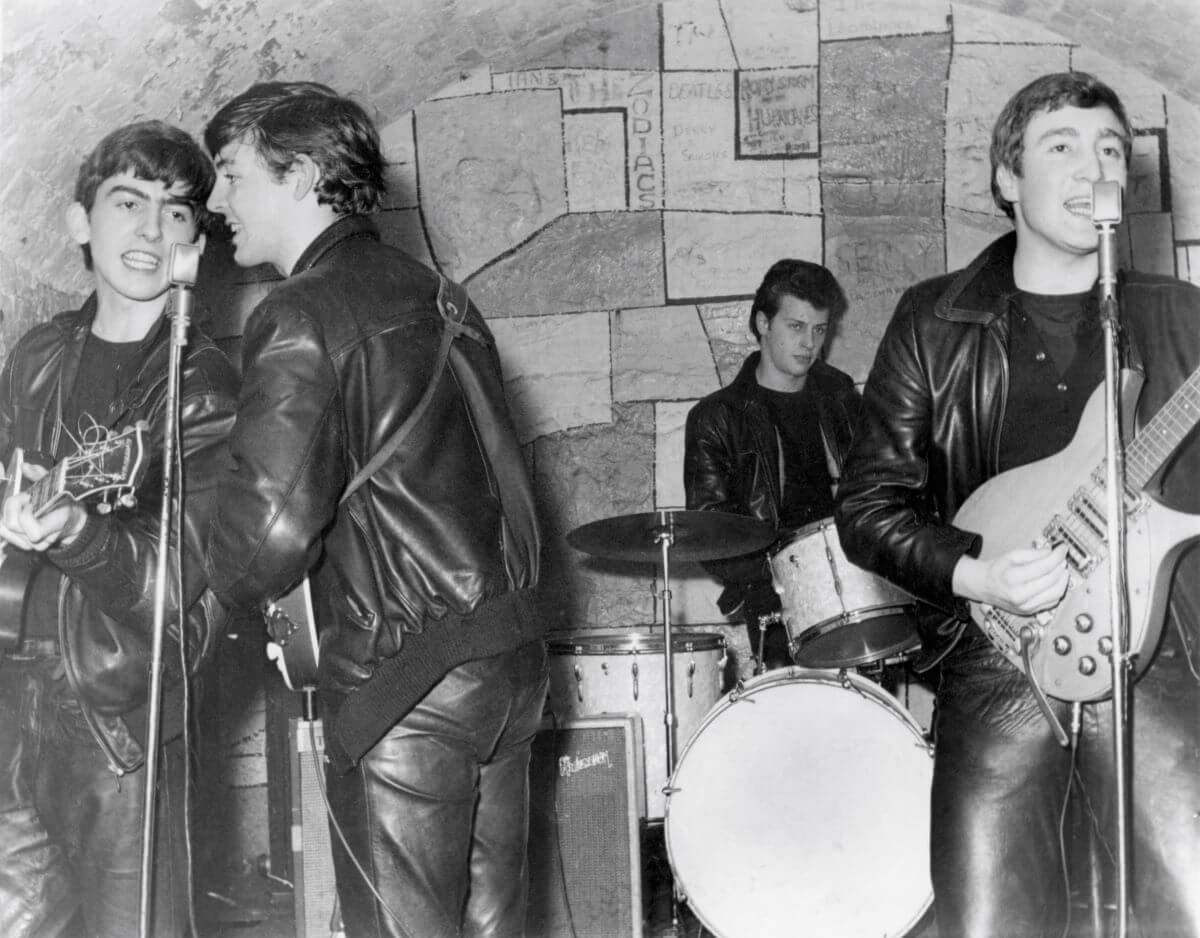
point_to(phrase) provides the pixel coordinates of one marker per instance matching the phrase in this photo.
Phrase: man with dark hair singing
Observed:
(363, 366)
(73, 684)
(770, 445)
(981, 374)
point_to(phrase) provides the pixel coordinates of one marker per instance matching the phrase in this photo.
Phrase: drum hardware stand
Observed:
(1106, 215)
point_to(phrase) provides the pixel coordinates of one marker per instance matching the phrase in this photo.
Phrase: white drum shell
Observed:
(623, 671)
(801, 807)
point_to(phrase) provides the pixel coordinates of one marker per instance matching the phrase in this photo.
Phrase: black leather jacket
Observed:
(106, 599)
(334, 359)
(732, 456)
(933, 409)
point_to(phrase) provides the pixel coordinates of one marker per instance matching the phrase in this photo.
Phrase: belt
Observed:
(33, 648)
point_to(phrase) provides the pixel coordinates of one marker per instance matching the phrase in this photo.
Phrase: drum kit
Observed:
(799, 803)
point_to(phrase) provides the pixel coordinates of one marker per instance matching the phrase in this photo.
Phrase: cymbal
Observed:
(693, 535)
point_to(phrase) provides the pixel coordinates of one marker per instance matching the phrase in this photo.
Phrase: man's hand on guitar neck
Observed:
(1024, 581)
(57, 527)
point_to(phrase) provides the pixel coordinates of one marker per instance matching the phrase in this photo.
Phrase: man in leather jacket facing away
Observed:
(433, 674)
(770, 445)
(73, 690)
(986, 370)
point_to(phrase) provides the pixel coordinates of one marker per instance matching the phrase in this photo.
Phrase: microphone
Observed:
(182, 271)
(1106, 215)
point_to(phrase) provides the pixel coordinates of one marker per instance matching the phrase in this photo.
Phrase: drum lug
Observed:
(579, 683)
(691, 675)
(634, 669)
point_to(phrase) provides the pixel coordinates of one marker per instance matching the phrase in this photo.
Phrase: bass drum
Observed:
(801, 806)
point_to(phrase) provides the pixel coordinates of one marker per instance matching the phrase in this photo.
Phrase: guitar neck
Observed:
(1155, 443)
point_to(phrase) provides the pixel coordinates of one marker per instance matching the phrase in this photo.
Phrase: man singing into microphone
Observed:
(73, 681)
(982, 371)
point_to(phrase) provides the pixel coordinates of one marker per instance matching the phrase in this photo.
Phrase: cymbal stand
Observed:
(664, 536)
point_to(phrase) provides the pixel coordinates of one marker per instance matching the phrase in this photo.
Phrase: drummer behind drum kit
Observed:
(800, 801)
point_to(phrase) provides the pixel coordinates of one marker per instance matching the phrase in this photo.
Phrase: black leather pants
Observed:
(70, 829)
(436, 814)
(1004, 830)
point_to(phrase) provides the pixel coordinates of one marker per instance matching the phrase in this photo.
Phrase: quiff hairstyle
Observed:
(804, 280)
(1048, 93)
(284, 120)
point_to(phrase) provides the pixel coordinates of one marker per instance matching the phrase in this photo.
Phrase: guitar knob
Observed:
(1062, 645)
(1105, 645)
(1087, 665)
(1084, 622)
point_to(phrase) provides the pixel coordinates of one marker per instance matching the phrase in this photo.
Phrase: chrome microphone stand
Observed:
(1106, 214)
(183, 270)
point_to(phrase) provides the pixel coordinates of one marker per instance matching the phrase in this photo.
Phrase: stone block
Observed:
(660, 354)
(875, 260)
(638, 94)
(403, 228)
(729, 335)
(477, 80)
(594, 145)
(1183, 159)
(982, 79)
(856, 19)
(773, 33)
(585, 475)
(556, 371)
(491, 173)
(695, 37)
(581, 262)
(713, 256)
(399, 149)
(1187, 263)
(972, 24)
(883, 109)
(701, 166)
(777, 112)
(1144, 185)
(968, 233)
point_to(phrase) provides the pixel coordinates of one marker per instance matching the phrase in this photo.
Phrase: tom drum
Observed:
(623, 671)
(838, 615)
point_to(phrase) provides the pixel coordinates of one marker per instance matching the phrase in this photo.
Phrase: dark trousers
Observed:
(436, 814)
(1000, 800)
(71, 829)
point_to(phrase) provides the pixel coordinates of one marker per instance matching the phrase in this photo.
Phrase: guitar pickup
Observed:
(1084, 507)
(1079, 557)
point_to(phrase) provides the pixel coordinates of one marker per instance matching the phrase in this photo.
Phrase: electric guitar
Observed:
(292, 632)
(109, 468)
(1062, 500)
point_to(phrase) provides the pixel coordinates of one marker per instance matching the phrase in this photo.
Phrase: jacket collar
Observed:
(345, 228)
(981, 291)
(747, 384)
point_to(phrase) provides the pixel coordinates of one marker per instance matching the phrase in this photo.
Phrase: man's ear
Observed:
(305, 175)
(762, 321)
(1006, 181)
(78, 226)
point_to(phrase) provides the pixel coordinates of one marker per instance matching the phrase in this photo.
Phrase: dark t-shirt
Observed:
(807, 487)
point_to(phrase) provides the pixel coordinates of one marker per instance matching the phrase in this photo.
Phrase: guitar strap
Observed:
(452, 304)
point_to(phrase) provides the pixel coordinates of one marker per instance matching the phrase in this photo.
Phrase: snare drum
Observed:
(838, 615)
(835, 841)
(622, 671)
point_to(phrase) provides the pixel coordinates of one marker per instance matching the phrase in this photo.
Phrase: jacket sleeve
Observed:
(710, 472)
(114, 561)
(887, 521)
(288, 446)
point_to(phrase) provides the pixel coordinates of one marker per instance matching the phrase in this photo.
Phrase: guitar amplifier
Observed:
(584, 843)
(316, 907)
